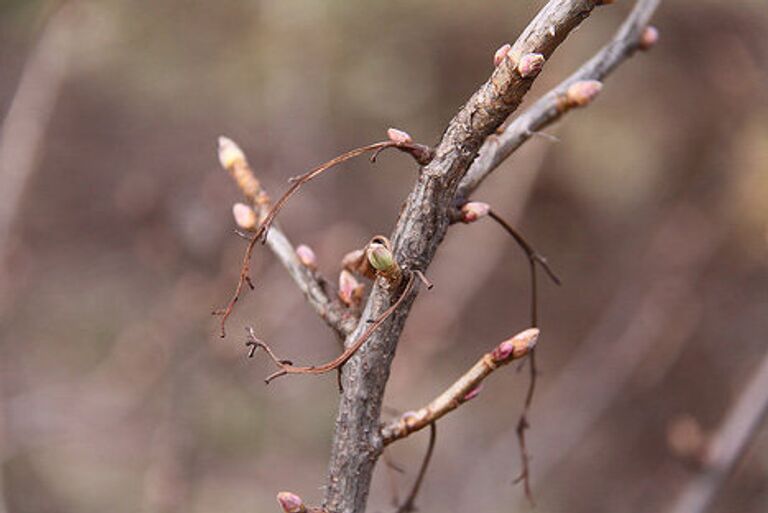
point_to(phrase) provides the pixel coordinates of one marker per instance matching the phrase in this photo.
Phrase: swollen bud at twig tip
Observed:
(501, 54)
(291, 503)
(229, 153)
(516, 347)
(398, 136)
(648, 38)
(530, 64)
(380, 257)
(583, 92)
(474, 210)
(245, 217)
(307, 257)
(350, 290)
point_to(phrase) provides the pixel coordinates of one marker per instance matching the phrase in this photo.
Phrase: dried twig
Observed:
(309, 281)
(410, 503)
(463, 389)
(728, 445)
(286, 367)
(234, 160)
(523, 423)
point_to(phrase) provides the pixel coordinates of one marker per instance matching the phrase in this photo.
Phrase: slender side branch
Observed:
(464, 389)
(309, 281)
(410, 503)
(728, 445)
(286, 367)
(551, 107)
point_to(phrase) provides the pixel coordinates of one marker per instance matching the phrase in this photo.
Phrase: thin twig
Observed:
(728, 445)
(409, 505)
(523, 423)
(463, 389)
(286, 367)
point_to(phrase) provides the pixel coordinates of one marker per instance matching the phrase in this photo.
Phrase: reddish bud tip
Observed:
(473, 393)
(306, 257)
(583, 92)
(501, 54)
(350, 290)
(291, 503)
(474, 210)
(229, 153)
(648, 38)
(516, 347)
(245, 217)
(398, 136)
(530, 64)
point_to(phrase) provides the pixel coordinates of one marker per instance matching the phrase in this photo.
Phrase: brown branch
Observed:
(309, 281)
(463, 389)
(551, 107)
(728, 445)
(421, 227)
(286, 367)
(410, 503)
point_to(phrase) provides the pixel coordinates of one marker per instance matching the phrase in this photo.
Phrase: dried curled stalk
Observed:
(397, 139)
(287, 367)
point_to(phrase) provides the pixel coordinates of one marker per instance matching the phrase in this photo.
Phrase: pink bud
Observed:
(473, 393)
(501, 54)
(516, 347)
(307, 257)
(474, 210)
(583, 92)
(648, 38)
(530, 64)
(244, 216)
(399, 136)
(291, 503)
(350, 290)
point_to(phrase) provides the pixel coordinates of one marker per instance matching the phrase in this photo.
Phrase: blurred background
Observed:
(116, 242)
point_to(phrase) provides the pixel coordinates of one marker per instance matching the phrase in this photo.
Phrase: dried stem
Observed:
(286, 367)
(728, 445)
(463, 389)
(309, 281)
(523, 423)
(410, 503)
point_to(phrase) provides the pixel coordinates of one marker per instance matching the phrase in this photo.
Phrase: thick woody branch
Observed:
(309, 281)
(463, 389)
(421, 227)
(630, 37)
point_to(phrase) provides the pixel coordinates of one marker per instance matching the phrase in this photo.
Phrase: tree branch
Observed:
(421, 227)
(550, 107)
(311, 284)
(727, 445)
(463, 389)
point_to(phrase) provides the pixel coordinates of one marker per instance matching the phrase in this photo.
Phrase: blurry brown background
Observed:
(117, 393)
